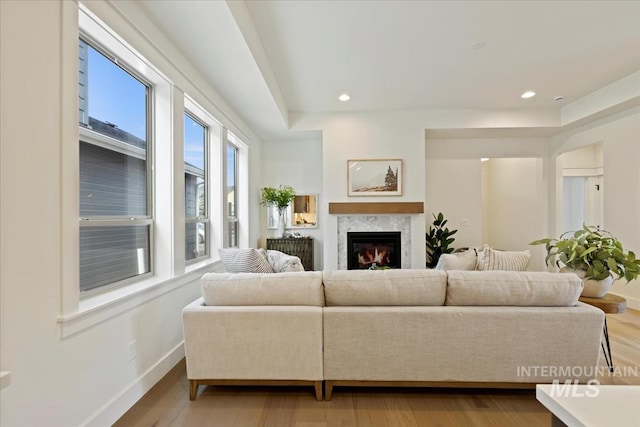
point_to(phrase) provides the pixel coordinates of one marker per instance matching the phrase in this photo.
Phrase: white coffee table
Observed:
(592, 406)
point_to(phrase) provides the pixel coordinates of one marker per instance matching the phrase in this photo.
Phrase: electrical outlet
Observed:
(464, 222)
(132, 350)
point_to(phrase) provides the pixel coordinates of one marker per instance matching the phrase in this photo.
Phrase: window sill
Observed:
(99, 308)
(197, 265)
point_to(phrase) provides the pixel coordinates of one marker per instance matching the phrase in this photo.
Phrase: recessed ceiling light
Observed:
(344, 97)
(558, 98)
(528, 94)
(478, 46)
(484, 159)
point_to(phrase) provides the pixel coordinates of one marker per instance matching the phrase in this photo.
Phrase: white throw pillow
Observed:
(282, 263)
(492, 259)
(458, 261)
(244, 261)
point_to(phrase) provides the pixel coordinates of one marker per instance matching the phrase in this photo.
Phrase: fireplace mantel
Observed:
(366, 208)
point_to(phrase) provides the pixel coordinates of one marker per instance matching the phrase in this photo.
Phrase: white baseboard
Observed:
(119, 405)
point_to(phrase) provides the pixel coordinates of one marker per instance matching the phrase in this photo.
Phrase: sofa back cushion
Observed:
(514, 288)
(294, 288)
(384, 287)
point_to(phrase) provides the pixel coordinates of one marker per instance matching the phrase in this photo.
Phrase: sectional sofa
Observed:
(395, 327)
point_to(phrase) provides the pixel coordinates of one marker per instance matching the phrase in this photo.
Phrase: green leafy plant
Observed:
(438, 240)
(374, 266)
(594, 251)
(278, 197)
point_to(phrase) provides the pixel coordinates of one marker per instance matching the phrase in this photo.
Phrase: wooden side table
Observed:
(610, 304)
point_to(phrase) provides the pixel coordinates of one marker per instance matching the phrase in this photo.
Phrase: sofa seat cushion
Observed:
(384, 287)
(514, 288)
(294, 288)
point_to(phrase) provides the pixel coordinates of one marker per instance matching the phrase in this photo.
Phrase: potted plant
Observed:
(438, 240)
(278, 198)
(595, 255)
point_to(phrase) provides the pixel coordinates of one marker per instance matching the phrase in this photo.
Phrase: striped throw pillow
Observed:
(244, 261)
(491, 259)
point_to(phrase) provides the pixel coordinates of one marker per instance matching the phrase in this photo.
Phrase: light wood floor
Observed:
(167, 403)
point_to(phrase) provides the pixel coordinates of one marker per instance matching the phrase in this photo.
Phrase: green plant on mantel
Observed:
(277, 197)
(594, 251)
(438, 240)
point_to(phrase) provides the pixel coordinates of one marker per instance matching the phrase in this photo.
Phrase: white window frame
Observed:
(214, 181)
(212, 131)
(231, 219)
(205, 178)
(79, 312)
(242, 186)
(86, 135)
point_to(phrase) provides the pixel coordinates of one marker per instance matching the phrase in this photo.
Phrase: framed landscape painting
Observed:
(374, 177)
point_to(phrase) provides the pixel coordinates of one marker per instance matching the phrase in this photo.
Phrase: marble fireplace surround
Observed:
(401, 223)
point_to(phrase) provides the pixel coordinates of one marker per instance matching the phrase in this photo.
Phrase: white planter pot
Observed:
(592, 288)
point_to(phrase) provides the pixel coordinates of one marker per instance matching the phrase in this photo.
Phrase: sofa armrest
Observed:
(253, 342)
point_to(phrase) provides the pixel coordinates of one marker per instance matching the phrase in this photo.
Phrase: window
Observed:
(231, 192)
(115, 195)
(125, 225)
(195, 188)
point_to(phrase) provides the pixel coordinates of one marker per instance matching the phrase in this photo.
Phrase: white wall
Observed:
(371, 136)
(620, 138)
(515, 193)
(298, 164)
(86, 378)
(590, 157)
(453, 187)
(503, 201)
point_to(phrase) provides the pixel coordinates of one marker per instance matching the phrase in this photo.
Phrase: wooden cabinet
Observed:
(302, 248)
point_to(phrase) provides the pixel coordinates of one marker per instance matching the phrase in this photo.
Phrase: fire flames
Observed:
(380, 255)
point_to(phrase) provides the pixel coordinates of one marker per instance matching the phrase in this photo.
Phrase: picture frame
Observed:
(374, 177)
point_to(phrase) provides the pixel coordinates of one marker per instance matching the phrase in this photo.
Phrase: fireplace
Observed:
(381, 248)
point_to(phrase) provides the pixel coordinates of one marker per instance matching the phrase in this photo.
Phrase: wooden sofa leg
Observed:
(318, 387)
(193, 389)
(328, 390)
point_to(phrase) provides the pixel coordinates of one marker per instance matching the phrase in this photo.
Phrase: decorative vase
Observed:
(281, 221)
(592, 288)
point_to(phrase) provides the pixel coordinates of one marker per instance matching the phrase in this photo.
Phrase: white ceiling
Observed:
(269, 58)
